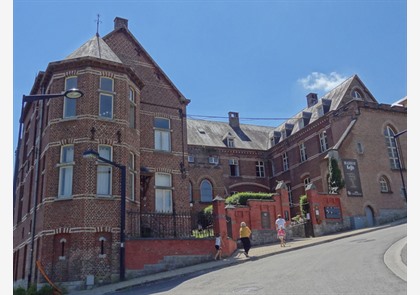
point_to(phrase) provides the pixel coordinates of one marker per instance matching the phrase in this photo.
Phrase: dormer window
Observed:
(230, 142)
(275, 138)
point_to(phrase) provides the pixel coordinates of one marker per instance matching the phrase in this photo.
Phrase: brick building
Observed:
(67, 208)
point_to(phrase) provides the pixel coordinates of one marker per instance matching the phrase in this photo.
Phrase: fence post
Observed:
(219, 216)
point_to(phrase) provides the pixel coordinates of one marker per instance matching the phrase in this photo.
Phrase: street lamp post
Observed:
(91, 154)
(399, 163)
(72, 94)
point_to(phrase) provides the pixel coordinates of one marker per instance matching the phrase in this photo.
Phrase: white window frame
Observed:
(65, 187)
(302, 152)
(104, 172)
(214, 160)
(191, 159)
(132, 110)
(285, 161)
(69, 105)
(234, 167)
(260, 169)
(106, 99)
(306, 181)
(323, 141)
(384, 185)
(392, 148)
(162, 134)
(163, 192)
(230, 142)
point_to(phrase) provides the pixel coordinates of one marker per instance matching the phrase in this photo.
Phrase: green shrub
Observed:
(242, 197)
(45, 290)
(19, 291)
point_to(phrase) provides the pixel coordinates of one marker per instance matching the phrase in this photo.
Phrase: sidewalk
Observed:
(237, 257)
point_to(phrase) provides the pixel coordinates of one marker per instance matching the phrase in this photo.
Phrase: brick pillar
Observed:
(220, 226)
(282, 201)
(314, 205)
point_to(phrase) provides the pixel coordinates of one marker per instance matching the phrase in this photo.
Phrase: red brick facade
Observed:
(79, 235)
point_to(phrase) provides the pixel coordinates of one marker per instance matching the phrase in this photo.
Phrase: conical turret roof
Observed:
(95, 47)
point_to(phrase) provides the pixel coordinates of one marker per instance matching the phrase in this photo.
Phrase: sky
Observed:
(258, 58)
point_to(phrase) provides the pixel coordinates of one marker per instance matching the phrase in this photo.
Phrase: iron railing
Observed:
(168, 225)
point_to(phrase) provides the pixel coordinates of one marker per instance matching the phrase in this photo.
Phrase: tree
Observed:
(335, 180)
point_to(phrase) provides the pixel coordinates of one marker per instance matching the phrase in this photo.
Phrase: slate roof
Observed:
(210, 133)
(95, 47)
(258, 137)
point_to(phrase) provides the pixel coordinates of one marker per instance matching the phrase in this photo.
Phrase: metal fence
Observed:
(168, 225)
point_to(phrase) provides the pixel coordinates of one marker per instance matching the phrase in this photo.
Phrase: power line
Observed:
(242, 118)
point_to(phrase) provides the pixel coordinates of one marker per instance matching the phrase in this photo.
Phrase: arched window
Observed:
(102, 241)
(384, 184)
(392, 148)
(356, 94)
(62, 249)
(206, 191)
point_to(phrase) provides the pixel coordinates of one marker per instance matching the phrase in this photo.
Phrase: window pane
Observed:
(105, 107)
(67, 154)
(66, 180)
(105, 152)
(161, 123)
(71, 83)
(206, 191)
(103, 186)
(163, 180)
(106, 84)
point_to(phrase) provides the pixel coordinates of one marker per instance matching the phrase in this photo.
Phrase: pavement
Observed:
(395, 258)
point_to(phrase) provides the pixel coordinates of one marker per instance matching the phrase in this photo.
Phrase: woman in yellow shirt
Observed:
(244, 235)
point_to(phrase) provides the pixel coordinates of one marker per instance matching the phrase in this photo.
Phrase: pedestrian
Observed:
(245, 235)
(218, 245)
(281, 230)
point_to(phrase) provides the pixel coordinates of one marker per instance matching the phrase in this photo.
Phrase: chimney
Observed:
(234, 119)
(120, 23)
(312, 99)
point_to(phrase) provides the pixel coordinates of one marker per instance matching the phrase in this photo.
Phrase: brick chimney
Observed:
(312, 99)
(234, 119)
(120, 23)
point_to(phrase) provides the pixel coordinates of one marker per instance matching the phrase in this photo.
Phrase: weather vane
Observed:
(97, 25)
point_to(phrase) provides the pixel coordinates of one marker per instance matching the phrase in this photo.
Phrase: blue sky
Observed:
(258, 58)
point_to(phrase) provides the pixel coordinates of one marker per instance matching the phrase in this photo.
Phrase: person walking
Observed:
(244, 235)
(281, 230)
(218, 246)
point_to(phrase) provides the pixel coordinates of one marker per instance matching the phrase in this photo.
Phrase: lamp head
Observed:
(73, 93)
(90, 154)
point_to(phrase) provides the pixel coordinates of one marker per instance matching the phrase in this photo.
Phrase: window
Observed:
(323, 141)
(104, 172)
(285, 162)
(102, 241)
(259, 166)
(162, 134)
(302, 151)
(66, 171)
(289, 193)
(206, 191)
(214, 160)
(106, 98)
(275, 138)
(62, 252)
(234, 167)
(230, 142)
(359, 148)
(132, 113)
(383, 182)
(306, 181)
(131, 177)
(70, 103)
(356, 94)
(163, 191)
(320, 110)
(191, 159)
(392, 148)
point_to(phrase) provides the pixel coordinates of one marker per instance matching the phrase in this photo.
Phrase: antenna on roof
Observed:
(97, 25)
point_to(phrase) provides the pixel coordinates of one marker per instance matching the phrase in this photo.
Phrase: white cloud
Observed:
(320, 81)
